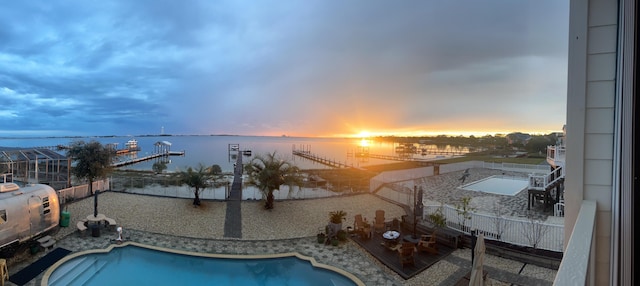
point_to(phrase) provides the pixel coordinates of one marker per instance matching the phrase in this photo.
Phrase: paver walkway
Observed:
(233, 218)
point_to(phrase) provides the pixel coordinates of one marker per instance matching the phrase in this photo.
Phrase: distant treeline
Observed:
(520, 141)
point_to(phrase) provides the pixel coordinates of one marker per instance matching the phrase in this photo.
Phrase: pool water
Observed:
(509, 186)
(133, 265)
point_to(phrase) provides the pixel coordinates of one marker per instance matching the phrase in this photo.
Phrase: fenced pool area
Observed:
(499, 185)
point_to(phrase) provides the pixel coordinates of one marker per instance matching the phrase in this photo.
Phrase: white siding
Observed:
(590, 118)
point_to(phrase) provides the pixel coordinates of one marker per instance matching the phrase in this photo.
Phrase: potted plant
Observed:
(335, 241)
(337, 217)
(438, 219)
(342, 235)
(321, 236)
(335, 221)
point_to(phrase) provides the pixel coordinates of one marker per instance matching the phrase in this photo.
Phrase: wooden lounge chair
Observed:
(406, 254)
(427, 243)
(361, 227)
(379, 224)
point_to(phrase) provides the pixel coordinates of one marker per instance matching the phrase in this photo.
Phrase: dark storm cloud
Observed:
(305, 68)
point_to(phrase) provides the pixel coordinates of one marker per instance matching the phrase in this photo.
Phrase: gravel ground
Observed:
(289, 219)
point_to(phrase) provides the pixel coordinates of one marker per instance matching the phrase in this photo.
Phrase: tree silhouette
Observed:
(199, 179)
(268, 173)
(92, 161)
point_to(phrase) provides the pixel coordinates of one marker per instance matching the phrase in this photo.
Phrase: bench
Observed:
(110, 223)
(82, 228)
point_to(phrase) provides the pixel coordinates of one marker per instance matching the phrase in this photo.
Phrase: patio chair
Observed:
(395, 225)
(379, 224)
(427, 243)
(361, 227)
(358, 223)
(406, 254)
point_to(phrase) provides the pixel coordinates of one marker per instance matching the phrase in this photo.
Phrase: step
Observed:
(71, 268)
(48, 243)
(44, 239)
(89, 269)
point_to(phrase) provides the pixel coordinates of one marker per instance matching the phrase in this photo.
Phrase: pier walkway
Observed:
(331, 163)
(233, 217)
(401, 158)
(146, 158)
(338, 165)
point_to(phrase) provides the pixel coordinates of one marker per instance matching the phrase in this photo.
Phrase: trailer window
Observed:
(3, 216)
(45, 205)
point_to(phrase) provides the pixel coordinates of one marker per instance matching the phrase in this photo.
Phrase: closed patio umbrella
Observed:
(477, 271)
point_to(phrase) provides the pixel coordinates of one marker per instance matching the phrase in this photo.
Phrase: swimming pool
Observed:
(499, 185)
(137, 264)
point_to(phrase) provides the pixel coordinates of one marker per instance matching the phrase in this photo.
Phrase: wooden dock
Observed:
(327, 162)
(146, 158)
(400, 158)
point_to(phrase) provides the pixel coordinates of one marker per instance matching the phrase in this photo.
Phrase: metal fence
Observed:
(171, 187)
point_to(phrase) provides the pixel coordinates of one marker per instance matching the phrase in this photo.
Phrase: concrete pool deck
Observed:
(290, 227)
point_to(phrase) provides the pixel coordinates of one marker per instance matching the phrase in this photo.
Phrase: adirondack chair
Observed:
(427, 243)
(361, 227)
(406, 254)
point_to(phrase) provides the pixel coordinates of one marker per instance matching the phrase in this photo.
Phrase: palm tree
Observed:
(268, 173)
(199, 179)
(92, 162)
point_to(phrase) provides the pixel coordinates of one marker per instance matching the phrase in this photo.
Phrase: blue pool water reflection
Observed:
(133, 265)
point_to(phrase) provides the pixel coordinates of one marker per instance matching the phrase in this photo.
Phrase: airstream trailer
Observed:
(26, 213)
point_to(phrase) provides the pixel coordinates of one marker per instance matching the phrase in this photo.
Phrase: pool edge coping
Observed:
(314, 263)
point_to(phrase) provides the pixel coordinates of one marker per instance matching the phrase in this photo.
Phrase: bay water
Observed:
(216, 149)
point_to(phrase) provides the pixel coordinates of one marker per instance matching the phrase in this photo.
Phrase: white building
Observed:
(602, 99)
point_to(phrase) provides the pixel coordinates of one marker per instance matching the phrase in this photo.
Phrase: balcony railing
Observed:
(556, 155)
(542, 182)
(578, 262)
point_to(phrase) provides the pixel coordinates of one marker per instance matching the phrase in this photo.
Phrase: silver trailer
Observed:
(26, 213)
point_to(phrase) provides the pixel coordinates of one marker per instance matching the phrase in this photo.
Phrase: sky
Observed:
(271, 68)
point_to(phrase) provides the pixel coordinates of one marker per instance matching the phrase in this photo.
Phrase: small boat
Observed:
(130, 146)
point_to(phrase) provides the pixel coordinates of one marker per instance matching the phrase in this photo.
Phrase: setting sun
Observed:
(364, 134)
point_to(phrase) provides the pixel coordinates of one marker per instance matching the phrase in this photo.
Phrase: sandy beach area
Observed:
(289, 219)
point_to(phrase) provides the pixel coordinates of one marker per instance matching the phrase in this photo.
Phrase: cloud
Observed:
(286, 67)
